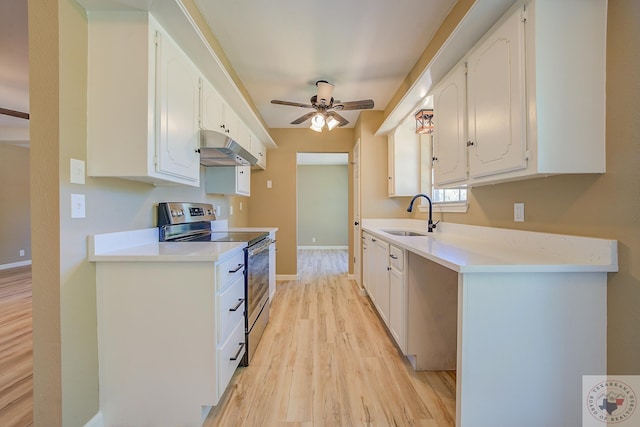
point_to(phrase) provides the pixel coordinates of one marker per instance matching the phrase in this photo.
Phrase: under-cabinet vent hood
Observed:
(217, 149)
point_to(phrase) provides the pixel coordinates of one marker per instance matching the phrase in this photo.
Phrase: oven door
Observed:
(257, 283)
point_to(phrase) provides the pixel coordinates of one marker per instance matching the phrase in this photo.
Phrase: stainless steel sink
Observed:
(404, 233)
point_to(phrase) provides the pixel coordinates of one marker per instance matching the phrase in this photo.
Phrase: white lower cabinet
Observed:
(384, 278)
(366, 262)
(170, 336)
(398, 297)
(234, 180)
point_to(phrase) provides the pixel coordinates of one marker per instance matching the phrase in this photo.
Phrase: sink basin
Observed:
(405, 233)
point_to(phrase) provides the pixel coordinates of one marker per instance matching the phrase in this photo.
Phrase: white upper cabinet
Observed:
(403, 172)
(534, 101)
(259, 151)
(450, 130)
(216, 114)
(142, 114)
(178, 110)
(496, 101)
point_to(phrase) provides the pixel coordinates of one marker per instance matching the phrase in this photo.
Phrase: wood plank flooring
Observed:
(327, 360)
(16, 348)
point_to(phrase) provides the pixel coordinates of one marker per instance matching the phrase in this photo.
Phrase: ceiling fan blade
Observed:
(339, 118)
(303, 118)
(364, 104)
(292, 104)
(14, 113)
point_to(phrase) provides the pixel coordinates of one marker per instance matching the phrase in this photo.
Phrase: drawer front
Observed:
(229, 270)
(230, 309)
(229, 356)
(396, 258)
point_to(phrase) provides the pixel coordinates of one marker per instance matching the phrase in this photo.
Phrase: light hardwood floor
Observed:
(327, 360)
(16, 348)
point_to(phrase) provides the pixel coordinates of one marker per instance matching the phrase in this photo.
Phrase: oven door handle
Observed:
(240, 301)
(238, 268)
(240, 347)
(257, 248)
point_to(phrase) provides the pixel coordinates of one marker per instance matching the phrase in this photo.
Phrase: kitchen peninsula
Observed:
(520, 315)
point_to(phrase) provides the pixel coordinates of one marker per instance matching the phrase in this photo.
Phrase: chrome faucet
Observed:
(430, 225)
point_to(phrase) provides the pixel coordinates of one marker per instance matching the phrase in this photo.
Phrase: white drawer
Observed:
(230, 308)
(229, 270)
(229, 356)
(396, 258)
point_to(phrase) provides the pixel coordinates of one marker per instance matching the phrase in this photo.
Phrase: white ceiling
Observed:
(14, 69)
(280, 48)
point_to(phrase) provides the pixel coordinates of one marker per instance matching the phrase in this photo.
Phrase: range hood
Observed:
(217, 149)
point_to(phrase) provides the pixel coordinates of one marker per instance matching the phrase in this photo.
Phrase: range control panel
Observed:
(171, 213)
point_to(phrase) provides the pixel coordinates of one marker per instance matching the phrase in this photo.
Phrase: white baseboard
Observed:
(15, 264)
(323, 247)
(96, 421)
(286, 277)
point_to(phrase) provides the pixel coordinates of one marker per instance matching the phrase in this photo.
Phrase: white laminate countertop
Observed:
(475, 249)
(143, 245)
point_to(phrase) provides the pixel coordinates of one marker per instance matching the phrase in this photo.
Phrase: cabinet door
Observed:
(178, 110)
(397, 308)
(380, 278)
(230, 122)
(243, 180)
(404, 161)
(496, 101)
(449, 134)
(366, 262)
(210, 107)
(258, 149)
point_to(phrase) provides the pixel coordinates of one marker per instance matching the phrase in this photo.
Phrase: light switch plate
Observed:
(77, 206)
(77, 171)
(518, 212)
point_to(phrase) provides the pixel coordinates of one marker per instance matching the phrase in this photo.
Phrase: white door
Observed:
(496, 101)
(178, 107)
(449, 134)
(357, 243)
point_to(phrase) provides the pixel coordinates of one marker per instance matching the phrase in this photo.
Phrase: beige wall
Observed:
(14, 205)
(323, 205)
(276, 206)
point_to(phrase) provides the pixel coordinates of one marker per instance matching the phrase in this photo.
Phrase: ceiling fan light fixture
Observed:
(332, 123)
(318, 120)
(315, 128)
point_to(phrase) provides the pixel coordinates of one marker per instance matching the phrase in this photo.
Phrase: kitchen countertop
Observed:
(476, 249)
(143, 245)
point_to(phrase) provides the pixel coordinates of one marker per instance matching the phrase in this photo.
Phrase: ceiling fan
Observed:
(325, 108)
(14, 113)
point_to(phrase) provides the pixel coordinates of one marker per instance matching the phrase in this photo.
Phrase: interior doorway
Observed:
(322, 218)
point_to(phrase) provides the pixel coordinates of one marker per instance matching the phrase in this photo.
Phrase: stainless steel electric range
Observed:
(191, 222)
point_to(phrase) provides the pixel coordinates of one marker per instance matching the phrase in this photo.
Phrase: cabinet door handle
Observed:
(238, 268)
(374, 240)
(393, 257)
(240, 301)
(240, 347)
(469, 143)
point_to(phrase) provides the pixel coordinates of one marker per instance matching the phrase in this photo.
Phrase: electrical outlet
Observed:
(269, 183)
(518, 212)
(21, 252)
(77, 206)
(240, 205)
(230, 210)
(77, 171)
(313, 240)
